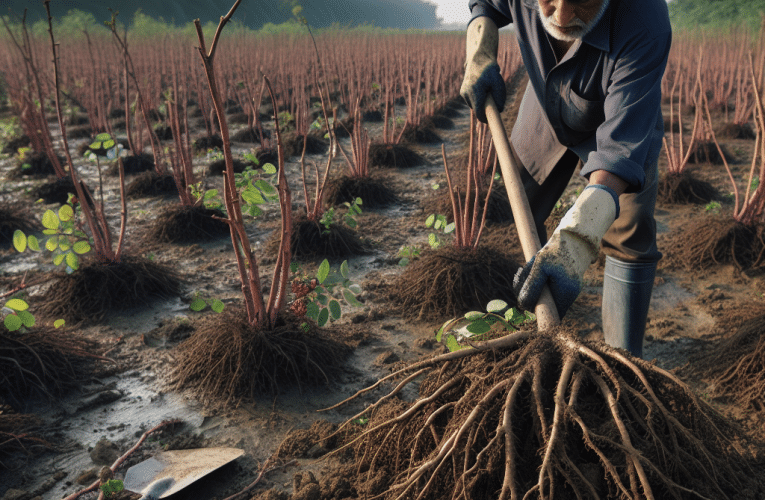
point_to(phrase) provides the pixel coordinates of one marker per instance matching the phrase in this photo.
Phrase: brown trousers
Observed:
(632, 236)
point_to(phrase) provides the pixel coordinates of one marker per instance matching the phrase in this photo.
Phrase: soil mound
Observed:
(150, 183)
(686, 188)
(183, 224)
(393, 156)
(373, 191)
(449, 282)
(312, 240)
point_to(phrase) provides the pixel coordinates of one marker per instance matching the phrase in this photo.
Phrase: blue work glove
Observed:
(481, 69)
(573, 247)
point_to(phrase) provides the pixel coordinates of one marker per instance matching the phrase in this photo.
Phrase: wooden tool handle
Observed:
(547, 314)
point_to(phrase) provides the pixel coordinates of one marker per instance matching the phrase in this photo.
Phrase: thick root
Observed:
(548, 417)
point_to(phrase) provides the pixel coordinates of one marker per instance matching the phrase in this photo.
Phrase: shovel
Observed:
(546, 312)
(170, 471)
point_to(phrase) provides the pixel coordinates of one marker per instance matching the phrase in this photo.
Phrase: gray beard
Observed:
(584, 28)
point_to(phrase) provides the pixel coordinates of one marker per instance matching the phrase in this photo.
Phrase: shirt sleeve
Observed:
(497, 10)
(631, 134)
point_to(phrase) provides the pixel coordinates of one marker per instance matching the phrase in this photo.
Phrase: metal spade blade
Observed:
(170, 471)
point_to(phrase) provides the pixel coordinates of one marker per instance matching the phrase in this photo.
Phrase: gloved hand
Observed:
(573, 247)
(481, 69)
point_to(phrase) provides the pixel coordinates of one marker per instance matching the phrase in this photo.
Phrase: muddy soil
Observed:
(90, 427)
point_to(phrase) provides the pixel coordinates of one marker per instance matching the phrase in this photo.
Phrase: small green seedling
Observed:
(408, 253)
(314, 296)
(17, 315)
(207, 197)
(329, 216)
(112, 486)
(66, 240)
(25, 165)
(256, 189)
(713, 207)
(439, 224)
(476, 325)
(199, 303)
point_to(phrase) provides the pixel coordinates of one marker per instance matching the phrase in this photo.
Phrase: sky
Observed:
(452, 11)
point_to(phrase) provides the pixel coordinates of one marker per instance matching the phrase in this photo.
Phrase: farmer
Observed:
(594, 95)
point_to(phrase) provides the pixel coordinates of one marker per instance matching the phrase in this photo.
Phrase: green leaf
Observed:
(478, 327)
(50, 231)
(473, 315)
(334, 309)
(252, 196)
(323, 271)
(103, 136)
(452, 344)
(294, 267)
(265, 187)
(33, 243)
(433, 240)
(50, 220)
(211, 193)
(351, 299)
(59, 323)
(217, 306)
(430, 220)
(350, 222)
(17, 305)
(450, 228)
(19, 240)
(355, 288)
(269, 169)
(197, 304)
(72, 260)
(12, 322)
(344, 270)
(323, 317)
(312, 311)
(27, 319)
(52, 243)
(81, 247)
(65, 213)
(63, 244)
(496, 306)
(58, 259)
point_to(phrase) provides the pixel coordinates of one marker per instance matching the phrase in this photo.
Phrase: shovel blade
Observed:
(170, 471)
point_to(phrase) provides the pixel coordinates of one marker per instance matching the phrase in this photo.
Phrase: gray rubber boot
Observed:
(626, 296)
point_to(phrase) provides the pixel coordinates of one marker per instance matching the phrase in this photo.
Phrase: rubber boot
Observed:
(626, 296)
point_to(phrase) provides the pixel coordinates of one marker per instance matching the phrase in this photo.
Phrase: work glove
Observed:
(481, 69)
(573, 247)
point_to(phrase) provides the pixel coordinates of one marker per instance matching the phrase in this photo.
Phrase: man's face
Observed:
(570, 20)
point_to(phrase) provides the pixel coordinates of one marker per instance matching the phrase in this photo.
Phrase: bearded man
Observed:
(594, 95)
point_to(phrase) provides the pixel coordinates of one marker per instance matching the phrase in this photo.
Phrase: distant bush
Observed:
(694, 14)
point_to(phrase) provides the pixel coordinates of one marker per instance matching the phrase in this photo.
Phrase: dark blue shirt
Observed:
(602, 100)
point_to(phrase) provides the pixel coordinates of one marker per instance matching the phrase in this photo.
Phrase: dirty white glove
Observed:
(573, 247)
(481, 69)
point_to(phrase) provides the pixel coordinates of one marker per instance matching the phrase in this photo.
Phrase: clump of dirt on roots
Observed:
(393, 156)
(293, 144)
(422, 134)
(18, 439)
(35, 164)
(133, 164)
(151, 184)
(178, 223)
(42, 361)
(707, 152)
(374, 191)
(708, 241)
(449, 282)
(686, 188)
(311, 240)
(736, 131)
(56, 191)
(228, 359)
(543, 415)
(14, 216)
(735, 367)
(95, 289)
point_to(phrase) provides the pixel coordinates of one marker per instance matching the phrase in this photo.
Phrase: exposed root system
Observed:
(706, 152)
(35, 164)
(293, 145)
(543, 415)
(393, 156)
(735, 367)
(42, 361)
(178, 223)
(56, 191)
(134, 164)
(309, 241)
(151, 184)
(717, 240)
(498, 209)
(248, 135)
(12, 146)
(686, 188)
(228, 359)
(13, 217)
(207, 142)
(736, 131)
(422, 134)
(218, 167)
(96, 289)
(373, 191)
(17, 436)
(450, 281)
